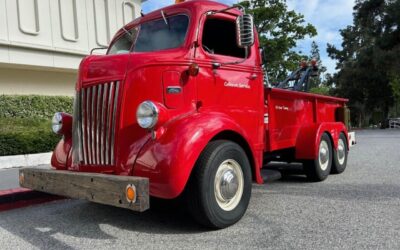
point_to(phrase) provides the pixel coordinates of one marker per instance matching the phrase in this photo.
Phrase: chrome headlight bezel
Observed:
(147, 115)
(57, 123)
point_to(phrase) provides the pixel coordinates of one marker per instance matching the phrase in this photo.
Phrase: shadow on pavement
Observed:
(39, 224)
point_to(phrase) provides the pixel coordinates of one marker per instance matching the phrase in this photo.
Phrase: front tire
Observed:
(319, 169)
(340, 156)
(219, 189)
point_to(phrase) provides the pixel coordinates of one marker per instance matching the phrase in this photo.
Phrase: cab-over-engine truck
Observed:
(178, 106)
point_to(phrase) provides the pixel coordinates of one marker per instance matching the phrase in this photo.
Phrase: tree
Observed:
(279, 29)
(369, 59)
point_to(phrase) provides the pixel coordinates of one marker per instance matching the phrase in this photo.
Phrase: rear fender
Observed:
(309, 137)
(168, 160)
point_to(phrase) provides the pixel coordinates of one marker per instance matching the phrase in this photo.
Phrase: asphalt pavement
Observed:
(9, 178)
(359, 209)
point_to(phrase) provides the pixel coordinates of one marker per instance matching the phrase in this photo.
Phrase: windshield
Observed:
(123, 44)
(153, 36)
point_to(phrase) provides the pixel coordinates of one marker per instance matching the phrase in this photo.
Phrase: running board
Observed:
(270, 175)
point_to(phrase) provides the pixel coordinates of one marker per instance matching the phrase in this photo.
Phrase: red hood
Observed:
(103, 68)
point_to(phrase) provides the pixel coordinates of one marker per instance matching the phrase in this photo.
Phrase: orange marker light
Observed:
(194, 69)
(179, 1)
(131, 193)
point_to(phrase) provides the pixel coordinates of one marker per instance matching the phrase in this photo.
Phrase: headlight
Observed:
(56, 123)
(147, 114)
(62, 124)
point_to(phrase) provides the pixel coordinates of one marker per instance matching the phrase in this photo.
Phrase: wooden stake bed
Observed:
(99, 188)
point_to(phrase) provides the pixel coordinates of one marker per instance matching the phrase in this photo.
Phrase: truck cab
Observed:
(179, 101)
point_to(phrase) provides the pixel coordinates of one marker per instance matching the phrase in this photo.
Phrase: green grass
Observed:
(26, 136)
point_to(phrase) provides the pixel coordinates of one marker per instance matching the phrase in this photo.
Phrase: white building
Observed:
(43, 41)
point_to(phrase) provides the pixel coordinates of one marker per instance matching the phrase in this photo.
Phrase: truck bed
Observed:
(286, 112)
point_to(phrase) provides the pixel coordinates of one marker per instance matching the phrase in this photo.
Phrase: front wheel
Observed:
(219, 189)
(319, 169)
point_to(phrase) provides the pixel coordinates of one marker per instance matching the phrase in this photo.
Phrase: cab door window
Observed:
(219, 38)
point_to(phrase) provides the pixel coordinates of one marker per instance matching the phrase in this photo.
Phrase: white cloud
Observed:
(328, 17)
(306, 7)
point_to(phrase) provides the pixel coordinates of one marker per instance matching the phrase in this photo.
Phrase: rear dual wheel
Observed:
(328, 160)
(319, 168)
(219, 189)
(340, 155)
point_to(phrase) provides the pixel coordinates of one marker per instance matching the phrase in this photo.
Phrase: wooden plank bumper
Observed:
(99, 188)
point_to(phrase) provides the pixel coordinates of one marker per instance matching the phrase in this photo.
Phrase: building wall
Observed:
(47, 39)
(38, 82)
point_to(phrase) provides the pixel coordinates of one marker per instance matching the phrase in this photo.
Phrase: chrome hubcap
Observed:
(228, 185)
(341, 152)
(323, 155)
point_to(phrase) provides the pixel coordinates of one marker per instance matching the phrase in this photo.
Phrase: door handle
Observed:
(253, 76)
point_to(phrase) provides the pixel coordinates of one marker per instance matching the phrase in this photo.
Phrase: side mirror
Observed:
(245, 31)
(263, 55)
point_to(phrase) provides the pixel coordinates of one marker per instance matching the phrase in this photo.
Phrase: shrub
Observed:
(25, 123)
(27, 143)
(34, 106)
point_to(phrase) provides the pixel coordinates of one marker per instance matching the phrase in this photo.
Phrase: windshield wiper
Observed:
(165, 19)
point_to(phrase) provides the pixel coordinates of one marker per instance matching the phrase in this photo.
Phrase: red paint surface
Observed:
(22, 197)
(210, 104)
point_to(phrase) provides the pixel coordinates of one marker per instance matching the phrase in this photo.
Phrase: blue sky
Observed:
(328, 16)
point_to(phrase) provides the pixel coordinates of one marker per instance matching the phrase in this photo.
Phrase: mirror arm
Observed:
(238, 6)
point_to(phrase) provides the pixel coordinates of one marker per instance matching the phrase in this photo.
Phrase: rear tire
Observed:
(319, 169)
(219, 189)
(340, 156)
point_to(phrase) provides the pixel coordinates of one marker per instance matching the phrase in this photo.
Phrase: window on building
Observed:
(219, 37)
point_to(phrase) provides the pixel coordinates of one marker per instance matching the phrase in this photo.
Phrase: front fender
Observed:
(308, 139)
(168, 160)
(60, 156)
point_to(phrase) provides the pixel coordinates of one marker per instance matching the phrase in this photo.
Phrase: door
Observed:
(231, 73)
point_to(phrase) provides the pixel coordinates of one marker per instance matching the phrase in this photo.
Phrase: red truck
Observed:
(178, 108)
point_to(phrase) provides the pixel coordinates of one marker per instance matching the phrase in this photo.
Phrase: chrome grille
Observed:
(95, 116)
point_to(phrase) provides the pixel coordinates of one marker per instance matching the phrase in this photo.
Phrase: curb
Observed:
(30, 160)
(22, 197)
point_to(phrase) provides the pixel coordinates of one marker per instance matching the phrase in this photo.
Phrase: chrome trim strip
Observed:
(88, 124)
(98, 121)
(92, 148)
(81, 126)
(114, 122)
(108, 126)
(103, 124)
(83, 123)
(174, 90)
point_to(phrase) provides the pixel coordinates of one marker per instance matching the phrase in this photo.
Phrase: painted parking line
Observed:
(22, 197)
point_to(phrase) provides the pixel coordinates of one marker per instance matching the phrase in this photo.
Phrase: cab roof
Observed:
(193, 6)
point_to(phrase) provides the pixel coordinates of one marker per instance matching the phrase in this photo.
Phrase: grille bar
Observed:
(95, 118)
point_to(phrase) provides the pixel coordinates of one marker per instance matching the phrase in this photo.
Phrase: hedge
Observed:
(25, 123)
(34, 106)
